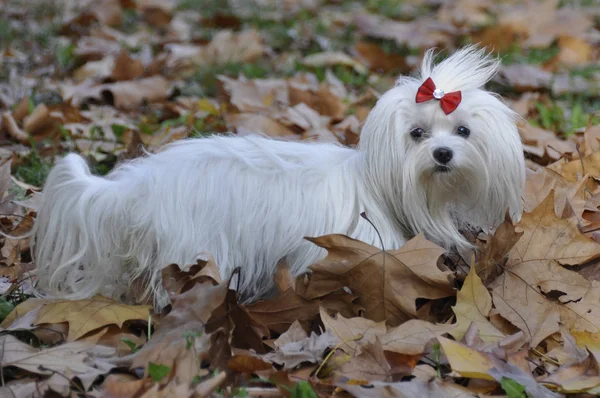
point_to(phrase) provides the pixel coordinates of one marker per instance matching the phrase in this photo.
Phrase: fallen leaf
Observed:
(432, 388)
(465, 360)
(84, 316)
(126, 68)
(307, 349)
(331, 58)
(533, 269)
(387, 283)
(353, 333)
(369, 365)
(473, 305)
(76, 358)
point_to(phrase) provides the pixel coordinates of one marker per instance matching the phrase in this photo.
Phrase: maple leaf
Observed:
(85, 316)
(387, 283)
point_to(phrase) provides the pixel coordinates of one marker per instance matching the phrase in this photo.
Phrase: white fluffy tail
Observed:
(73, 243)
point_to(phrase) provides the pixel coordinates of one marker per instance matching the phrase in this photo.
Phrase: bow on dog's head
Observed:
(429, 91)
(440, 148)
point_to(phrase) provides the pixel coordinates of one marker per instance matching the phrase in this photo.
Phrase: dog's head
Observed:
(443, 152)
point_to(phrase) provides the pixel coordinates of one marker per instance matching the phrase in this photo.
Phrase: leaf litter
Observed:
(520, 318)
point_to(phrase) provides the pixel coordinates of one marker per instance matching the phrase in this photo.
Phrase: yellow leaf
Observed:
(588, 340)
(466, 360)
(84, 316)
(206, 105)
(473, 304)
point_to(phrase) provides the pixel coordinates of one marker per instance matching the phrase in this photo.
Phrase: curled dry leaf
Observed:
(292, 349)
(494, 249)
(331, 58)
(12, 128)
(387, 283)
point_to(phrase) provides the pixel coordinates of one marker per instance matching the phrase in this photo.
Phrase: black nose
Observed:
(443, 155)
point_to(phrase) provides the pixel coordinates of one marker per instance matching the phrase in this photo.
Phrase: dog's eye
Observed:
(417, 133)
(463, 131)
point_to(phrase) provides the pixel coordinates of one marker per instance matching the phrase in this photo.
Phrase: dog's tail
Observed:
(73, 243)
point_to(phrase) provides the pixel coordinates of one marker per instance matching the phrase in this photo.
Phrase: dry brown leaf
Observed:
(432, 388)
(12, 128)
(85, 316)
(131, 94)
(473, 306)
(353, 333)
(181, 330)
(420, 33)
(378, 60)
(126, 68)
(412, 336)
(526, 77)
(280, 312)
(369, 365)
(574, 171)
(494, 250)
(332, 58)
(547, 238)
(386, 283)
(75, 358)
(177, 280)
(293, 351)
(543, 22)
(573, 51)
(533, 270)
(322, 100)
(250, 123)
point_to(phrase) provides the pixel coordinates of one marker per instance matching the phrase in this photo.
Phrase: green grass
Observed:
(346, 74)
(33, 170)
(204, 81)
(519, 55)
(564, 117)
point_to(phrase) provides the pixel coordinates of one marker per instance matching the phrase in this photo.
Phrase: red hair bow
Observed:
(448, 101)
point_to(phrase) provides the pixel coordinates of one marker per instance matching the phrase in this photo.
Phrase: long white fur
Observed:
(250, 201)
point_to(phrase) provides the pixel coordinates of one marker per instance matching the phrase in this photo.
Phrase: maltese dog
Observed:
(437, 155)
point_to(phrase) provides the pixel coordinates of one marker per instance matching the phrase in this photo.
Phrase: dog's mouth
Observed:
(442, 169)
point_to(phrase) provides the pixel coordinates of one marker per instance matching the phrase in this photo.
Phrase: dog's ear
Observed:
(506, 160)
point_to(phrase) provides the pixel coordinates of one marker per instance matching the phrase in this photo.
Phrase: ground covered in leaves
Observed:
(103, 78)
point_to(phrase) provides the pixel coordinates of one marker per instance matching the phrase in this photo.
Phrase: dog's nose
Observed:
(442, 155)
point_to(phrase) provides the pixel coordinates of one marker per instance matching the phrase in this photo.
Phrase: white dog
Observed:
(427, 162)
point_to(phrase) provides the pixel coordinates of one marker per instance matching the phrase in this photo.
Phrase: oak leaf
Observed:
(387, 283)
(533, 274)
(84, 316)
